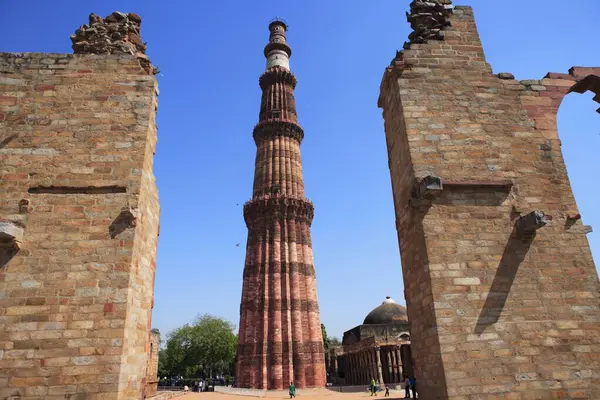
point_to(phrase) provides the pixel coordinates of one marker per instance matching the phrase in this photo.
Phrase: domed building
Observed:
(379, 349)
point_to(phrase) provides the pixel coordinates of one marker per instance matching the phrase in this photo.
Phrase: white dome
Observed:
(388, 300)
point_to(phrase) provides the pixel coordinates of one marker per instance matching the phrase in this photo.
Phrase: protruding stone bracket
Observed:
(127, 218)
(427, 186)
(528, 224)
(587, 229)
(11, 234)
(575, 217)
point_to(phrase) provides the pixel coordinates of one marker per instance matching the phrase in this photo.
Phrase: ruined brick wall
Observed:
(497, 309)
(77, 141)
(152, 369)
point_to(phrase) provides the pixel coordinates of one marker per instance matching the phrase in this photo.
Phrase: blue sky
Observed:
(210, 55)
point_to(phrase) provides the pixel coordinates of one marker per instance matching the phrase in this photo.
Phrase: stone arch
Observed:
(542, 101)
(591, 83)
(578, 127)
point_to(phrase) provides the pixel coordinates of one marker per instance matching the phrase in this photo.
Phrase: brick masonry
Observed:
(77, 141)
(280, 336)
(151, 385)
(497, 309)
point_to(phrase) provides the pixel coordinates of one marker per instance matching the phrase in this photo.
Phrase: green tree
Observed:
(334, 341)
(326, 341)
(205, 347)
(214, 343)
(162, 364)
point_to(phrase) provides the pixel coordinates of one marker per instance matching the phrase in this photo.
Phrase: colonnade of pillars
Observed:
(384, 364)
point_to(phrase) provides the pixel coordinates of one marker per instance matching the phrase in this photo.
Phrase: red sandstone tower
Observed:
(280, 328)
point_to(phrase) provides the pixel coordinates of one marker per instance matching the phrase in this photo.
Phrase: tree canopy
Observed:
(203, 348)
(326, 341)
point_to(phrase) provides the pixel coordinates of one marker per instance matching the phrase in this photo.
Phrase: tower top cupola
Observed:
(277, 51)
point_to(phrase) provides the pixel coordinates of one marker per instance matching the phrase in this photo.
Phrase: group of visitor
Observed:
(202, 385)
(410, 384)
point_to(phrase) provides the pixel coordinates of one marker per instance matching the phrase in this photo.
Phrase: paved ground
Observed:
(313, 395)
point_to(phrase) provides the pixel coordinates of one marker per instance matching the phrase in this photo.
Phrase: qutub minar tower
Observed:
(280, 337)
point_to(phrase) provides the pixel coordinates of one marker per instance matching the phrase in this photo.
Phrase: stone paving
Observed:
(306, 394)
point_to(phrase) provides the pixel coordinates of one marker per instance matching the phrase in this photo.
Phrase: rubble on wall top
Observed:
(117, 33)
(428, 19)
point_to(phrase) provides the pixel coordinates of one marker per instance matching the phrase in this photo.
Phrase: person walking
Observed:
(373, 387)
(292, 390)
(406, 387)
(387, 391)
(413, 386)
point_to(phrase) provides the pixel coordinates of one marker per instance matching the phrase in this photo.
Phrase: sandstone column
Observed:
(390, 364)
(373, 356)
(379, 370)
(362, 371)
(280, 327)
(398, 362)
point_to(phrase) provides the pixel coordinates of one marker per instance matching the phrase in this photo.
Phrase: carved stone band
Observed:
(248, 349)
(278, 208)
(273, 129)
(277, 75)
(277, 46)
(279, 268)
(280, 305)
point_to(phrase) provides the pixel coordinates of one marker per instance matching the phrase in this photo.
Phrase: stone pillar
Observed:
(354, 368)
(398, 364)
(365, 367)
(372, 370)
(374, 363)
(379, 372)
(390, 366)
(394, 365)
(383, 364)
(358, 368)
(348, 366)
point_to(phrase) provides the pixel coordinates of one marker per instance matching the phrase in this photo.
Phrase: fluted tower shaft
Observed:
(280, 338)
